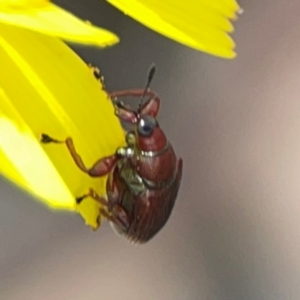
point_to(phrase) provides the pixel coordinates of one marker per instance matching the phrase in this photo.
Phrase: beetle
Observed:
(143, 177)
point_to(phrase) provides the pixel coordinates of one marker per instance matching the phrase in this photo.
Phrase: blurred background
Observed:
(235, 231)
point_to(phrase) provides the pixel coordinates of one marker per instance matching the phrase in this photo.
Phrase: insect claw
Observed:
(79, 199)
(95, 70)
(98, 224)
(97, 74)
(117, 103)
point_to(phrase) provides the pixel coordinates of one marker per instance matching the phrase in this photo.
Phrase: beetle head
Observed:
(144, 118)
(148, 135)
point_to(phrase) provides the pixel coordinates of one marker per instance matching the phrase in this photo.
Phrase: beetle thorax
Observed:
(156, 142)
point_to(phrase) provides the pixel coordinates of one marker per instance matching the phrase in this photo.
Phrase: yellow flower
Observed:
(200, 24)
(46, 88)
(45, 17)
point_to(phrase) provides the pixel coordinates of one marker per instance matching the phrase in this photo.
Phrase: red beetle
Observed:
(144, 177)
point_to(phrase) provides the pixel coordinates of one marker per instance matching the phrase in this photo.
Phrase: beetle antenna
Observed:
(150, 77)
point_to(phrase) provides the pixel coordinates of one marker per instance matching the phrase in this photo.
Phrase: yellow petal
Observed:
(42, 16)
(201, 24)
(46, 88)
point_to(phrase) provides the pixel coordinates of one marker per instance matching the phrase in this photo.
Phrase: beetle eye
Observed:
(146, 125)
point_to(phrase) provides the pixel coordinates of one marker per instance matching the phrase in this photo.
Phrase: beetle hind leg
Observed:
(100, 200)
(106, 215)
(119, 218)
(93, 194)
(97, 74)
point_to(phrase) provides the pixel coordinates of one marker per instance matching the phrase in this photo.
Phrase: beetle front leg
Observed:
(102, 167)
(98, 76)
(150, 106)
(128, 93)
(131, 93)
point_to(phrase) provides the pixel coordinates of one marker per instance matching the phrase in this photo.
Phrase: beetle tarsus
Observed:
(46, 139)
(118, 103)
(98, 76)
(93, 194)
(110, 218)
(98, 221)
(97, 198)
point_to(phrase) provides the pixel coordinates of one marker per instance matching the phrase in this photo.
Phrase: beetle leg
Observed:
(119, 216)
(97, 75)
(100, 200)
(122, 216)
(108, 216)
(121, 105)
(94, 196)
(120, 222)
(150, 106)
(98, 221)
(131, 93)
(97, 198)
(102, 167)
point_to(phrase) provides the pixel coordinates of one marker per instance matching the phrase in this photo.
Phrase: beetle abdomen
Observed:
(152, 211)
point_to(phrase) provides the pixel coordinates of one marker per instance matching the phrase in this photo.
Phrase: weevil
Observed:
(143, 177)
